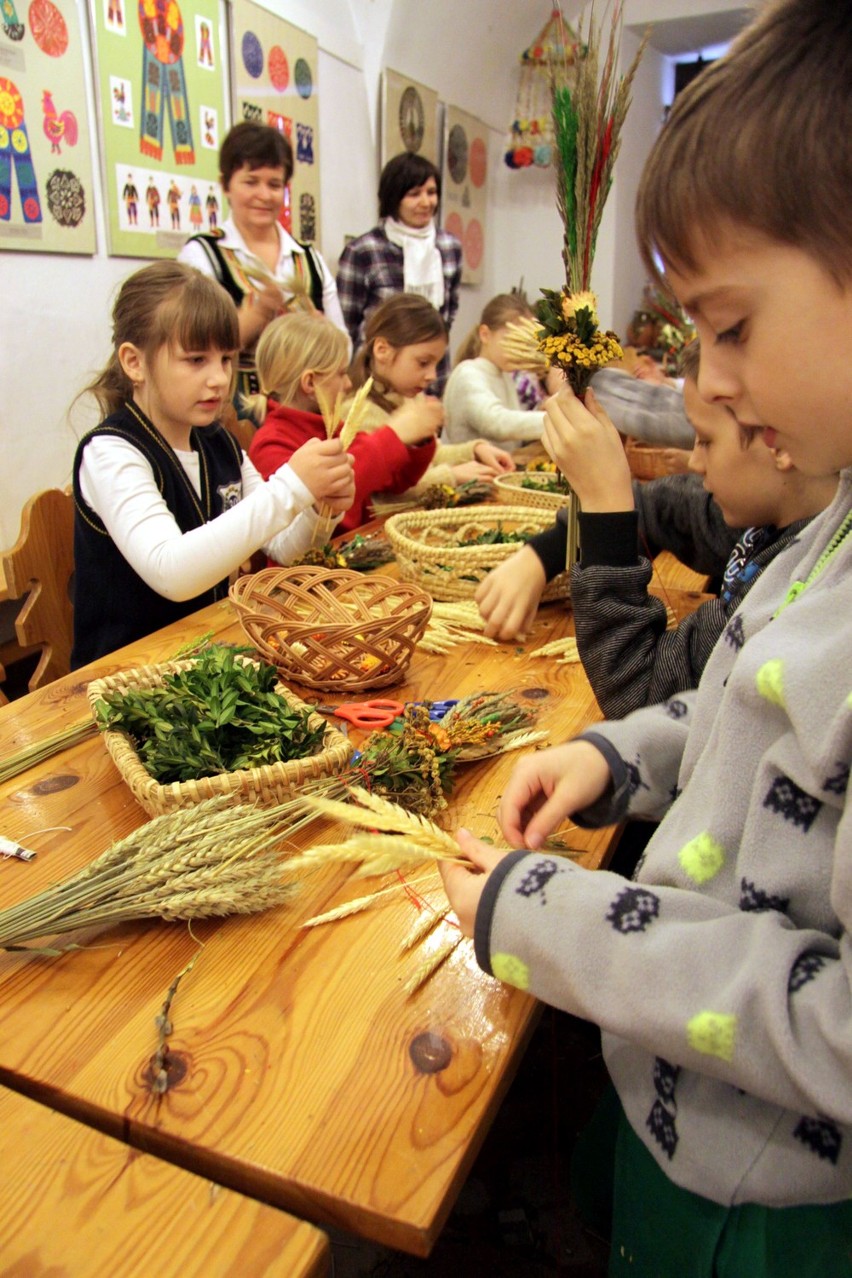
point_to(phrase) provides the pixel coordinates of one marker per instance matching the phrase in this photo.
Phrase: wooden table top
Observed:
(82, 1203)
(301, 1073)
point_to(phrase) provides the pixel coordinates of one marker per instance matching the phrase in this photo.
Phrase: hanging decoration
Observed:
(530, 139)
(589, 102)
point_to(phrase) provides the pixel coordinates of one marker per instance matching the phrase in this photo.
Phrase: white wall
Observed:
(54, 318)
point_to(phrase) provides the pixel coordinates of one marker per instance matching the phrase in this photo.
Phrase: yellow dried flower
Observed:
(584, 300)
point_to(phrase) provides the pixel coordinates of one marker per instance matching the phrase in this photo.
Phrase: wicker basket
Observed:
(510, 488)
(426, 544)
(645, 460)
(332, 628)
(271, 783)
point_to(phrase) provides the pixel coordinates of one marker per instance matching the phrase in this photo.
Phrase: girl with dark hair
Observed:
(167, 505)
(405, 253)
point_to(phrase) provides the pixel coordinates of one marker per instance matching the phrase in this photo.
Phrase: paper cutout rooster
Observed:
(57, 127)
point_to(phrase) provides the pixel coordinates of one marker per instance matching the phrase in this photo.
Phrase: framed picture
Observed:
(409, 118)
(45, 156)
(464, 188)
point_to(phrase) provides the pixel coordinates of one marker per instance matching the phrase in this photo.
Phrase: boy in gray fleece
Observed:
(629, 656)
(722, 976)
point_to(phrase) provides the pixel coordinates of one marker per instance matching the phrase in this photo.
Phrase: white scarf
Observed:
(422, 264)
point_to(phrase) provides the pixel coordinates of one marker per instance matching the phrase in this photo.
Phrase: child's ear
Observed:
(382, 349)
(132, 362)
(484, 332)
(783, 460)
(308, 382)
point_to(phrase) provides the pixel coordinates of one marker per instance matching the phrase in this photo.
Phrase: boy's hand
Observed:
(418, 419)
(497, 460)
(471, 470)
(464, 884)
(509, 596)
(327, 471)
(548, 786)
(588, 450)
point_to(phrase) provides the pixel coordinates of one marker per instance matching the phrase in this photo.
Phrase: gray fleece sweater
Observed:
(721, 976)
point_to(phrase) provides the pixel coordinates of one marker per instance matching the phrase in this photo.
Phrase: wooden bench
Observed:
(81, 1204)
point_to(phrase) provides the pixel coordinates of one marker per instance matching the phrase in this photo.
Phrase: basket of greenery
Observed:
(332, 628)
(449, 552)
(217, 724)
(541, 485)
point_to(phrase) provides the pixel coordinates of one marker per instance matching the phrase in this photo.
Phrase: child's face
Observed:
(408, 370)
(491, 345)
(776, 331)
(179, 388)
(744, 480)
(333, 384)
(256, 197)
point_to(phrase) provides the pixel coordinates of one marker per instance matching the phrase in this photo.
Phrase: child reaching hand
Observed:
(302, 357)
(481, 398)
(629, 656)
(401, 352)
(722, 976)
(167, 504)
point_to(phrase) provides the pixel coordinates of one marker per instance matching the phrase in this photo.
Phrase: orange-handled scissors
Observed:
(378, 713)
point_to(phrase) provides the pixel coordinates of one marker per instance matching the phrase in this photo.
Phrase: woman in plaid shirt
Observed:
(405, 253)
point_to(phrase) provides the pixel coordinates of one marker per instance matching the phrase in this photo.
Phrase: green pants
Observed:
(658, 1230)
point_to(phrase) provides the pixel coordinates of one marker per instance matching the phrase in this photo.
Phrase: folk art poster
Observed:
(160, 80)
(463, 198)
(409, 118)
(45, 156)
(274, 79)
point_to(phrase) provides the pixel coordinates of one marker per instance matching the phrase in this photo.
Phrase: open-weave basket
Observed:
(646, 461)
(331, 627)
(271, 783)
(510, 488)
(427, 549)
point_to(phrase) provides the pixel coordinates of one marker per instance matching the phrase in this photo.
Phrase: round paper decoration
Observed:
(48, 27)
(478, 161)
(304, 79)
(412, 119)
(454, 224)
(279, 68)
(66, 199)
(11, 105)
(473, 242)
(252, 54)
(162, 31)
(457, 153)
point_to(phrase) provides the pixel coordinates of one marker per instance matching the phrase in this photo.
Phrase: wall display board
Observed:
(274, 79)
(409, 118)
(464, 185)
(45, 156)
(160, 82)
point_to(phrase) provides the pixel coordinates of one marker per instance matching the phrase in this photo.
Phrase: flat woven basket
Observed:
(427, 549)
(645, 460)
(510, 488)
(272, 783)
(332, 627)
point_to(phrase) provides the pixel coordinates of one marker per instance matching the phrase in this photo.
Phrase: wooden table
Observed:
(301, 1073)
(78, 1202)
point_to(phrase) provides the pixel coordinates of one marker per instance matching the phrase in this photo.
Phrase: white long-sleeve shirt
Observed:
(276, 516)
(481, 402)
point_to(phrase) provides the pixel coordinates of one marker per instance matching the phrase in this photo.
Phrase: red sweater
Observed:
(383, 463)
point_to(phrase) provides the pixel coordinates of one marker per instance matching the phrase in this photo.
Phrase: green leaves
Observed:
(219, 715)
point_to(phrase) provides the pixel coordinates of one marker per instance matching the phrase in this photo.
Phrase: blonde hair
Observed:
(164, 304)
(759, 139)
(501, 310)
(402, 320)
(291, 345)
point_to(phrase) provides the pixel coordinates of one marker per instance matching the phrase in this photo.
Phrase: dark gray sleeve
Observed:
(677, 514)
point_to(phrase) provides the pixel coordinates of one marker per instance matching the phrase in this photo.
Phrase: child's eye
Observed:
(731, 334)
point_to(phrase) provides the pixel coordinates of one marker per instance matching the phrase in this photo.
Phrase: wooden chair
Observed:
(40, 566)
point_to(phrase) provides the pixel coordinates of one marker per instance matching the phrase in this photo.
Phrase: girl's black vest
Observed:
(112, 604)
